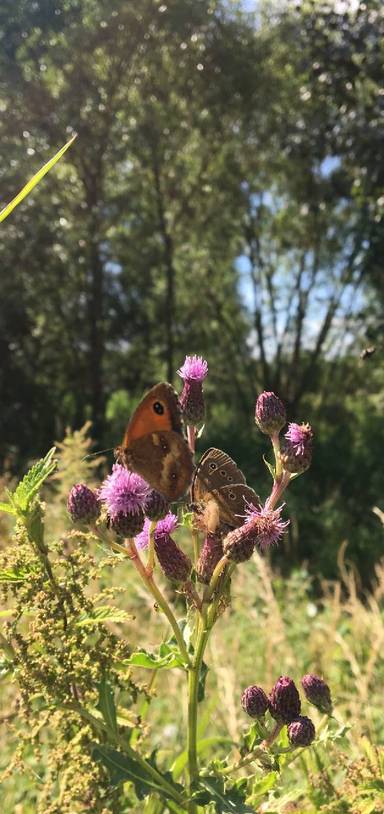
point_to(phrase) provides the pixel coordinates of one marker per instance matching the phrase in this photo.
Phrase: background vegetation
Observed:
(225, 197)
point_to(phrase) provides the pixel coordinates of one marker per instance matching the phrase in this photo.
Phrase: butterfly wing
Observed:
(154, 445)
(219, 482)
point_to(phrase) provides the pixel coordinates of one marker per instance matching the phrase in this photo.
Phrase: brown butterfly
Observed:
(219, 486)
(154, 445)
(368, 352)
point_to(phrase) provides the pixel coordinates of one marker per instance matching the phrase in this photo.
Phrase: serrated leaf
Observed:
(123, 768)
(33, 480)
(6, 507)
(270, 468)
(106, 704)
(34, 180)
(212, 790)
(20, 574)
(264, 784)
(104, 613)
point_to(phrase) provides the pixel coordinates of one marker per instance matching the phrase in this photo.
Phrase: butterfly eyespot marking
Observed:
(212, 465)
(223, 473)
(231, 495)
(158, 407)
(230, 478)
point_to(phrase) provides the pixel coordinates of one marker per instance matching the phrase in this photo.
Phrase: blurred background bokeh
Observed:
(225, 197)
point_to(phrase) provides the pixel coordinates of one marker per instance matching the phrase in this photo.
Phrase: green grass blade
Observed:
(34, 180)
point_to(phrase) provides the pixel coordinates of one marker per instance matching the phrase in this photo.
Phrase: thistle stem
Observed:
(151, 548)
(193, 691)
(276, 449)
(133, 554)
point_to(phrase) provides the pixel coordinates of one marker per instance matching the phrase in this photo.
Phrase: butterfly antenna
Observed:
(99, 452)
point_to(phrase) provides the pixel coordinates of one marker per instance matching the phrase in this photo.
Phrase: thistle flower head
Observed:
(301, 731)
(296, 452)
(142, 539)
(284, 700)
(127, 525)
(194, 367)
(210, 554)
(193, 372)
(317, 692)
(240, 543)
(82, 503)
(173, 562)
(156, 506)
(267, 525)
(270, 415)
(254, 701)
(123, 492)
(166, 526)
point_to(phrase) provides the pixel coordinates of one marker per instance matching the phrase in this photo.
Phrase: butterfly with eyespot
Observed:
(154, 445)
(220, 489)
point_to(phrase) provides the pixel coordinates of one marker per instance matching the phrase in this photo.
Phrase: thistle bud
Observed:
(284, 700)
(127, 525)
(239, 544)
(156, 506)
(254, 701)
(210, 554)
(193, 372)
(317, 693)
(82, 504)
(270, 415)
(296, 451)
(174, 563)
(301, 731)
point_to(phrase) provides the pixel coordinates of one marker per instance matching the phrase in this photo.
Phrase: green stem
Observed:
(276, 449)
(193, 690)
(151, 548)
(215, 578)
(148, 580)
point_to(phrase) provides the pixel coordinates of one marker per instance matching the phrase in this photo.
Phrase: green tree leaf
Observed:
(34, 180)
(21, 574)
(6, 507)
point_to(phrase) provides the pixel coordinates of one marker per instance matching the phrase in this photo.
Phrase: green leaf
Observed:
(104, 613)
(33, 480)
(270, 468)
(17, 574)
(34, 180)
(106, 704)
(263, 785)
(212, 790)
(165, 658)
(123, 768)
(6, 507)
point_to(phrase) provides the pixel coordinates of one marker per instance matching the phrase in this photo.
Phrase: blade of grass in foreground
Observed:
(34, 180)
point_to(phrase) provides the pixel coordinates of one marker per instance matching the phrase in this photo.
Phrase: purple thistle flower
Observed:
(142, 539)
(317, 692)
(82, 503)
(270, 415)
(194, 367)
(173, 562)
(239, 544)
(123, 492)
(301, 731)
(284, 700)
(193, 372)
(296, 451)
(254, 701)
(267, 524)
